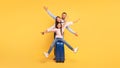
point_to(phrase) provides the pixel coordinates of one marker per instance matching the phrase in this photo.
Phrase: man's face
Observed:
(64, 16)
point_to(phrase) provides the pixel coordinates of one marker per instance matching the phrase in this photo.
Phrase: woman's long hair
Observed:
(56, 23)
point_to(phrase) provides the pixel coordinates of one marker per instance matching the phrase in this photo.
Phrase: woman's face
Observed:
(59, 25)
(58, 19)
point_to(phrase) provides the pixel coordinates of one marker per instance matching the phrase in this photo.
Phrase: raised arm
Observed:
(49, 13)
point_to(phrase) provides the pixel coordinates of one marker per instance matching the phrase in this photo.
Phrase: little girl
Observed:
(59, 29)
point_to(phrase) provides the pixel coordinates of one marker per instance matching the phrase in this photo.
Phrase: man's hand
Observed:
(45, 8)
(76, 34)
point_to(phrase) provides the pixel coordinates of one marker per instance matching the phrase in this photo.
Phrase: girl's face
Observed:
(59, 25)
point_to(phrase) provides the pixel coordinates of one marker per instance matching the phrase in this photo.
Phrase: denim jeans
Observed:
(58, 39)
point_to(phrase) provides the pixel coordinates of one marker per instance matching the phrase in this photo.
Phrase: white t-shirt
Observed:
(52, 27)
(58, 33)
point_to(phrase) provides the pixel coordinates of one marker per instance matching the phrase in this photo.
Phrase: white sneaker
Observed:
(46, 54)
(75, 50)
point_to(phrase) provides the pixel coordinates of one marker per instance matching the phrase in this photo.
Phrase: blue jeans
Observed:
(59, 39)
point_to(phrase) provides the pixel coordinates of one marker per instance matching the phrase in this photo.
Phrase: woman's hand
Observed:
(76, 20)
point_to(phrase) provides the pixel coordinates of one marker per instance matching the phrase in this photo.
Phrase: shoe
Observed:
(54, 58)
(75, 50)
(46, 54)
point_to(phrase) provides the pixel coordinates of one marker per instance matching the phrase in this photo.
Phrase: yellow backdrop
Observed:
(22, 45)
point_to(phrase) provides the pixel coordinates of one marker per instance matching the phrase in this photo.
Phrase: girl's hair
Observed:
(56, 23)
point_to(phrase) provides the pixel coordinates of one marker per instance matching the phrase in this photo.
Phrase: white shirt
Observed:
(52, 27)
(58, 33)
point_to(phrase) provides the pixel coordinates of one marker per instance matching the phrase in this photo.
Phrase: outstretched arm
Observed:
(76, 20)
(48, 30)
(70, 23)
(49, 13)
(44, 32)
(69, 29)
(51, 28)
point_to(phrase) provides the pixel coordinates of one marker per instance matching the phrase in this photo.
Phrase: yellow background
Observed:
(22, 45)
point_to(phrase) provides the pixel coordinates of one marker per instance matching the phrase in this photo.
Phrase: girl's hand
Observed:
(42, 33)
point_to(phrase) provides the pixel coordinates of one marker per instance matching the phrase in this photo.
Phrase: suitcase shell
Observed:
(60, 56)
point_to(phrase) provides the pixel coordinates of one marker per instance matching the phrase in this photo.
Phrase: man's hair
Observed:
(64, 13)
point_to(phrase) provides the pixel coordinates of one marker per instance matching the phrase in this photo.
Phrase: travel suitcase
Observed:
(60, 56)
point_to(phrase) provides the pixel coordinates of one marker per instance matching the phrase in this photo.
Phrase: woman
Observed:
(59, 29)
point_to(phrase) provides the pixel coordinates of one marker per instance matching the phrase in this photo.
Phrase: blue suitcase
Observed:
(59, 51)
